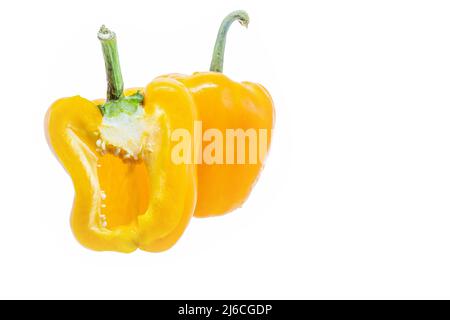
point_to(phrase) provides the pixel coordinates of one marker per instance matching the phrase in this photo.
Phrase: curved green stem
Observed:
(219, 47)
(112, 65)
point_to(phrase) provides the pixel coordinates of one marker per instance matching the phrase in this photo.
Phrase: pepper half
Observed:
(129, 193)
(224, 104)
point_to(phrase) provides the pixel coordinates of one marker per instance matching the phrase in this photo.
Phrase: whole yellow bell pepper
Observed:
(129, 194)
(224, 104)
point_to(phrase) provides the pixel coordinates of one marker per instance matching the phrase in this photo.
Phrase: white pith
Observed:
(125, 135)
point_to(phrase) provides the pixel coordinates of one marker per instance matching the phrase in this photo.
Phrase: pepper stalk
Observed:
(116, 103)
(112, 65)
(219, 47)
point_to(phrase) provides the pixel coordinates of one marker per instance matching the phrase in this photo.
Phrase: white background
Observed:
(354, 201)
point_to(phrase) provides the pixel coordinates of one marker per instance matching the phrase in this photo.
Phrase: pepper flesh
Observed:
(225, 104)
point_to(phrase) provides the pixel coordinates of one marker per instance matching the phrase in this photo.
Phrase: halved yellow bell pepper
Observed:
(129, 193)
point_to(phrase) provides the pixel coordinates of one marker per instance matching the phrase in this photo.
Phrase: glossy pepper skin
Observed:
(122, 204)
(225, 104)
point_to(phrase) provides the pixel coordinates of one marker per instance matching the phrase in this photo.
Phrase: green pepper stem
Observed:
(112, 64)
(219, 47)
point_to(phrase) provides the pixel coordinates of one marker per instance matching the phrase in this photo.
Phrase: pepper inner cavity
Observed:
(124, 190)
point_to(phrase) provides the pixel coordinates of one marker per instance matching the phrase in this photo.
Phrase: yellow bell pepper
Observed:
(129, 193)
(224, 104)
